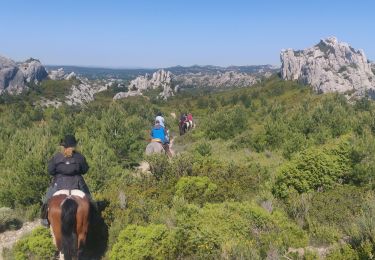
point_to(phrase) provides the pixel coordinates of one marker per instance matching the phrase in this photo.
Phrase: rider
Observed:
(67, 168)
(160, 118)
(159, 134)
(183, 118)
(190, 120)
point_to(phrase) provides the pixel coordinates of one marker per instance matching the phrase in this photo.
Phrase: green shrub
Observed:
(203, 149)
(196, 189)
(37, 245)
(326, 215)
(344, 252)
(337, 207)
(159, 165)
(138, 242)
(215, 225)
(314, 169)
(225, 124)
(181, 165)
(362, 229)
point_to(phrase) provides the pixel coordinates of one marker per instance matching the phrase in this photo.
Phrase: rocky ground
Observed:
(9, 238)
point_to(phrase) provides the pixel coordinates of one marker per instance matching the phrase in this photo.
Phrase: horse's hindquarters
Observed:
(69, 219)
(154, 147)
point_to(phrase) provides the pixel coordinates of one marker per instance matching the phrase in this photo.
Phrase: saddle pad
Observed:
(78, 193)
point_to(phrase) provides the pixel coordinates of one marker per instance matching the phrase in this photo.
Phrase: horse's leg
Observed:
(55, 226)
(82, 219)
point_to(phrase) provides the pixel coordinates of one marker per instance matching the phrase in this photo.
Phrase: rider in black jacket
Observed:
(67, 168)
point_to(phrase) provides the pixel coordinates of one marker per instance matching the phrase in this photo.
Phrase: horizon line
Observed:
(152, 68)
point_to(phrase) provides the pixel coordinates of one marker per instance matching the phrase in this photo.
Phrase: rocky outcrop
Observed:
(58, 74)
(33, 71)
(160, 79)
(219, 80)
(329, 66)
(130, 93)
(83, 92)
(13, 76)
(169, 83)
(70, 76)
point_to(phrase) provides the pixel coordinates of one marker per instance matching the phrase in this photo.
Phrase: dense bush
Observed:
(196, 189)
(225, 124)
(314, 169)
(37, 245)
(232, 229)
(137, 242)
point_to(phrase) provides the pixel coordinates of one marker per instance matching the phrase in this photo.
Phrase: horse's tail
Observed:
(68, 228)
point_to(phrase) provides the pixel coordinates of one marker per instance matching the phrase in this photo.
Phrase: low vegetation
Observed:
(268, 170)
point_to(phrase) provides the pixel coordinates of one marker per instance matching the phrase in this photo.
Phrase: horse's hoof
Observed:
(44, 223)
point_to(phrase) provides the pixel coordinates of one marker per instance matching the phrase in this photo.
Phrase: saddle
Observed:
(77, 193)
(156, 140)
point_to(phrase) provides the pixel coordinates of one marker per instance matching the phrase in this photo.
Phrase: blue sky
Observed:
(155, 33)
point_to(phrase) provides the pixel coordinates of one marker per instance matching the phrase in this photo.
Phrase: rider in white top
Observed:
(160, 119)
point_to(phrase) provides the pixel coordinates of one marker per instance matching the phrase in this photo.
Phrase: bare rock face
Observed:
(33, 71)
(70, 76)
(170, 83)
(220, 80)
(83, 92)
(130, 93)
(58, 74)
(329, 66)
(13, 76)
(160, 79)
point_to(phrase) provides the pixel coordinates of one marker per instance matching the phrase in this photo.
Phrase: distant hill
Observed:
(128, 74)
(209, 69)
(102, 73)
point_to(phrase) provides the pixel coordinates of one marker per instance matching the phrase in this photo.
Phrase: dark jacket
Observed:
(68, 172)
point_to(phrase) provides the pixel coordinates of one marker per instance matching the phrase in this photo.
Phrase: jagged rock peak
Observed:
(160, 79)
(329, 66)
(33, 70)
(14, 76)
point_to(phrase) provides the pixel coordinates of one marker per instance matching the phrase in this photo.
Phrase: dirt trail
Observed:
(9, 238)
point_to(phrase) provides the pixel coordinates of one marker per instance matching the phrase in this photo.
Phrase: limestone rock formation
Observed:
(83, 92)
(329, 66)
(33, 71)
(160, 79)
(170, 83)
(219, 80)
(58, 74)
(13, 76)
(130, 93)
(70, 76)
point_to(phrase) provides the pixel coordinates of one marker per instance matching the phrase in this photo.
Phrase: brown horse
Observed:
(68, 214)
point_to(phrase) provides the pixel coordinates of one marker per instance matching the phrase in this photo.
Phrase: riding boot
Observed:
(44, 215)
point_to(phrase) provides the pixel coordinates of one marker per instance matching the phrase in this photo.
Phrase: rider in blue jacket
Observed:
(159, 134)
